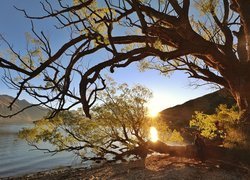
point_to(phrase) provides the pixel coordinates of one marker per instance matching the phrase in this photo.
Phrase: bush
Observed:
(224, 125)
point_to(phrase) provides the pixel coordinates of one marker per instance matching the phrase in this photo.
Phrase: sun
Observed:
(153, 134)
(152, 113)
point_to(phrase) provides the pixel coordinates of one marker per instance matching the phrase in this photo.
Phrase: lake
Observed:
(18, 158)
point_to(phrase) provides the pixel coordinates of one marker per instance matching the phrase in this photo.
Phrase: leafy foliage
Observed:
(119, 125)
(223, 125)
(206, 6)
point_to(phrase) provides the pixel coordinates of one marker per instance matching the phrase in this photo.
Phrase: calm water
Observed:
(17, 158)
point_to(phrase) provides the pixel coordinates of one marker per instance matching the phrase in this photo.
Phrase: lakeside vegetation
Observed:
(118, 129)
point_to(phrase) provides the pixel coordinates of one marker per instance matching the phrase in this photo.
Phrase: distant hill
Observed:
(29, 115)
(179, 116)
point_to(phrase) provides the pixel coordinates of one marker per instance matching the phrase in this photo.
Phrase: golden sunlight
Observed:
(152, 113)
(153, 134)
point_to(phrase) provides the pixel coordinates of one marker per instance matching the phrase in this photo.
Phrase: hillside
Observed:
(28, 115)
(179, 116)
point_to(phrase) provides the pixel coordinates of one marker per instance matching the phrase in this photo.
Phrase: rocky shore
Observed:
(154, 167)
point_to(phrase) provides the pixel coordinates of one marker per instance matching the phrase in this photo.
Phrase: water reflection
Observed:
(16, 157)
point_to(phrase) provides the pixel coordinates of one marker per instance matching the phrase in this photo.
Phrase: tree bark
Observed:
(237, 76)
(241, 92)
(240, 89)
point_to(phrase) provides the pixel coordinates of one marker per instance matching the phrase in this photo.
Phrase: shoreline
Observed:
(154, 167)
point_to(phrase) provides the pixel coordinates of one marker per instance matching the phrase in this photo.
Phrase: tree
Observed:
(213, 46)
(119, 127)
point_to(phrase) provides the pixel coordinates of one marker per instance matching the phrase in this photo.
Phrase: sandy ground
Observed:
(154, 167)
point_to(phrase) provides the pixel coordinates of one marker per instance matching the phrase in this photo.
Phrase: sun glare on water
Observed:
(153, 134)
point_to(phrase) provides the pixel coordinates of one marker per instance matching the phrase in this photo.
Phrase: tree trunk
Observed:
(243, 101)
(240, 89)
(241, 93)
(238, 78)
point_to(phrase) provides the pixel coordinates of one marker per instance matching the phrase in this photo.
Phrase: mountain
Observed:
(28, 115)
(178, 116)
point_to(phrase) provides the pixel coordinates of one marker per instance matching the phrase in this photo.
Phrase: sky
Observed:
(167, 91)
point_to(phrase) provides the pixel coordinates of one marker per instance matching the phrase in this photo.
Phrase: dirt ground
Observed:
(154, 167)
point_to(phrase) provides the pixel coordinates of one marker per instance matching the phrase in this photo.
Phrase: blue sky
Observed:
(167, 91)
